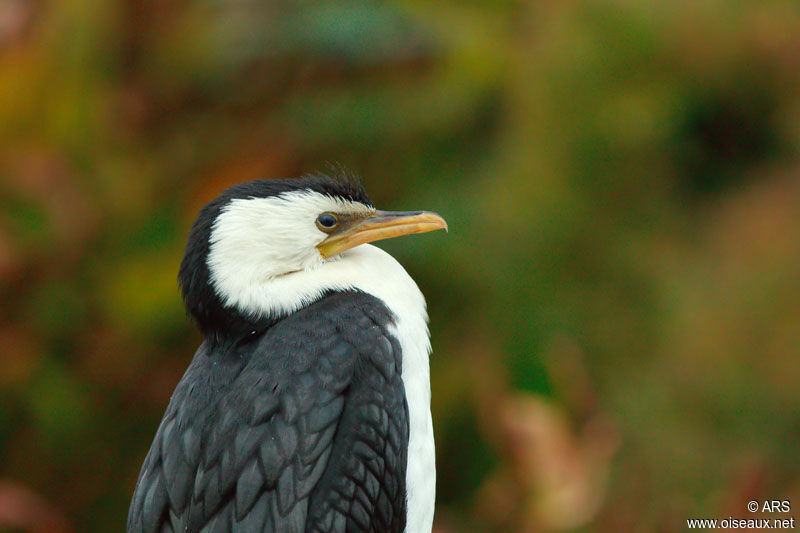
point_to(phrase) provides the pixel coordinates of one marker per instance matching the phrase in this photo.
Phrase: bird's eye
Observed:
(326, 221)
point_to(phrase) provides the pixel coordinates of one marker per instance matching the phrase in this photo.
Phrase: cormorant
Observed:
(307, 406)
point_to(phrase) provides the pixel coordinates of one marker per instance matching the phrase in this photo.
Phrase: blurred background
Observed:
(614, 312)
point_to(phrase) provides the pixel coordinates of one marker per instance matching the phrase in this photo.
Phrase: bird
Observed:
(307, 405)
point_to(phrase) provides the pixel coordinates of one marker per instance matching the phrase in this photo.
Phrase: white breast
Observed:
(405, 300)
(373, 271)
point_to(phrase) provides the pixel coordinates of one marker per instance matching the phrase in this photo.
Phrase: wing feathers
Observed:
(248, 487)
(292, 433)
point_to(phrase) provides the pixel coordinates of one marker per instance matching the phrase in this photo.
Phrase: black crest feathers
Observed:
(348, 183)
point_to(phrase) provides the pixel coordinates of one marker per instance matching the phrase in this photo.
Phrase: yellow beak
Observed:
(379, 225)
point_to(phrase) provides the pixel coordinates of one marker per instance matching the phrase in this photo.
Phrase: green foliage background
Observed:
(614, 312)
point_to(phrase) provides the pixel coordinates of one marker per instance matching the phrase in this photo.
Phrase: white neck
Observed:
(375, 272)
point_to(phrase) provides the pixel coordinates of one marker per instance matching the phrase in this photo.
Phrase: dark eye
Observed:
(326, 221)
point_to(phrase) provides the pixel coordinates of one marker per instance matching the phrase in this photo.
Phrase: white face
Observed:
(255, 240)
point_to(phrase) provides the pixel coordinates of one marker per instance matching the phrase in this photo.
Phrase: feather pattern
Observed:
(303, 429)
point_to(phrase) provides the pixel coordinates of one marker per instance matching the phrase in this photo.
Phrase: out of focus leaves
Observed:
(20, 357)
(21, 509)
(559, 477)
(155, 305)
(59, 405)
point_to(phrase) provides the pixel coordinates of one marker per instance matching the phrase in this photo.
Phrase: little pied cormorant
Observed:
(307, 406)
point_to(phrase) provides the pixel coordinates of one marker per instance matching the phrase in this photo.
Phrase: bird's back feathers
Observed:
(301, 427)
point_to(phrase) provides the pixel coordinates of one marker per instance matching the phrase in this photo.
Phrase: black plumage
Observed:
(301, 426)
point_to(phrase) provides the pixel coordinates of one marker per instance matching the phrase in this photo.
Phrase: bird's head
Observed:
(260, 233)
